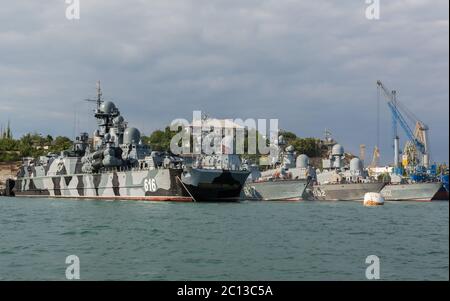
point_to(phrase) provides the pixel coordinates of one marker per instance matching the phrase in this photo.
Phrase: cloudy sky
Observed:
(311, 64)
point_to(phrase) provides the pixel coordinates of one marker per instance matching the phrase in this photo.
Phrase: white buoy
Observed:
(373, 199)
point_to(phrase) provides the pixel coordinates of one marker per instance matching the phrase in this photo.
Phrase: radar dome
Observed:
(337, 150)
(107, 107)
(118, 120)
(356, 164)
(302, 161)
(131, 136)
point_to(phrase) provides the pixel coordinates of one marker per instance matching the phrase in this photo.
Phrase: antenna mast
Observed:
(99, 94)
(99, 99)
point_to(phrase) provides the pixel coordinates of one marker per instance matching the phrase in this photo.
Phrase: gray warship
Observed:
(411, 191)
(339, 183)
(285, 180)
(116, 164)
(404, 189)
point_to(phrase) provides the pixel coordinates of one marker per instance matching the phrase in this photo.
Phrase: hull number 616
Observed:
(150, 185)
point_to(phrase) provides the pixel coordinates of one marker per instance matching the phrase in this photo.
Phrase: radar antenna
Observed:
(328, 136)
(99, 99)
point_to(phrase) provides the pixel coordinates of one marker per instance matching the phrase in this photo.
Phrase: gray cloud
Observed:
(312, 64)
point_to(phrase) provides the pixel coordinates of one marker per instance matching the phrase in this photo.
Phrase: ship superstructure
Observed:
(338, 182)
(286, 179)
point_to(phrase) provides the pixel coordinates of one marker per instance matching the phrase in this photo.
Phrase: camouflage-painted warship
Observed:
(338, 183)
(115, 164)
(285, 180)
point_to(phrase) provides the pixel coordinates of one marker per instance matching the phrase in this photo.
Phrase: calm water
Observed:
(243, 241)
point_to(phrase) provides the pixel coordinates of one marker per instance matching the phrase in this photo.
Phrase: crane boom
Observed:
(419, 140)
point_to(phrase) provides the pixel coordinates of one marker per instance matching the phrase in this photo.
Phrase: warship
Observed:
(116, 164)
(442, 194)
(404, 191)
(420, 185)
(285, 180)
(339, 183)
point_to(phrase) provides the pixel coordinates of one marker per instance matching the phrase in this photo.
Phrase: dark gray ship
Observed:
(116, 164)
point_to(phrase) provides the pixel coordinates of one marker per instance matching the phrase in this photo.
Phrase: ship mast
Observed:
(99, 95)
(99, 99)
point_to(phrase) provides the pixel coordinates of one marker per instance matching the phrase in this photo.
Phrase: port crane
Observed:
(416, 151)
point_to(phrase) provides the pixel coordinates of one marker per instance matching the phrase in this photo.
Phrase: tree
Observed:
(307, 146)
(60, 144)
(159, 140)
(8, 131)
(288, 136)
(30, 145)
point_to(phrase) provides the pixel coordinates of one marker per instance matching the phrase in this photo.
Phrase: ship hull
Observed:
(149, 185)
(343, 192)
(212, 185)
(287, 190)
(441, 195)
(411, 192)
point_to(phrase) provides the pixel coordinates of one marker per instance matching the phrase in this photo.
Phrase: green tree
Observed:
(31, 145)
(159, 140)
(60, 144)
(49, 139)
(307, 146)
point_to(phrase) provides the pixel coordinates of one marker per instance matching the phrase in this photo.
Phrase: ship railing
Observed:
(127, 168)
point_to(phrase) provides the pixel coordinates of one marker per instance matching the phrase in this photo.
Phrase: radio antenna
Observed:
(99, 99)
